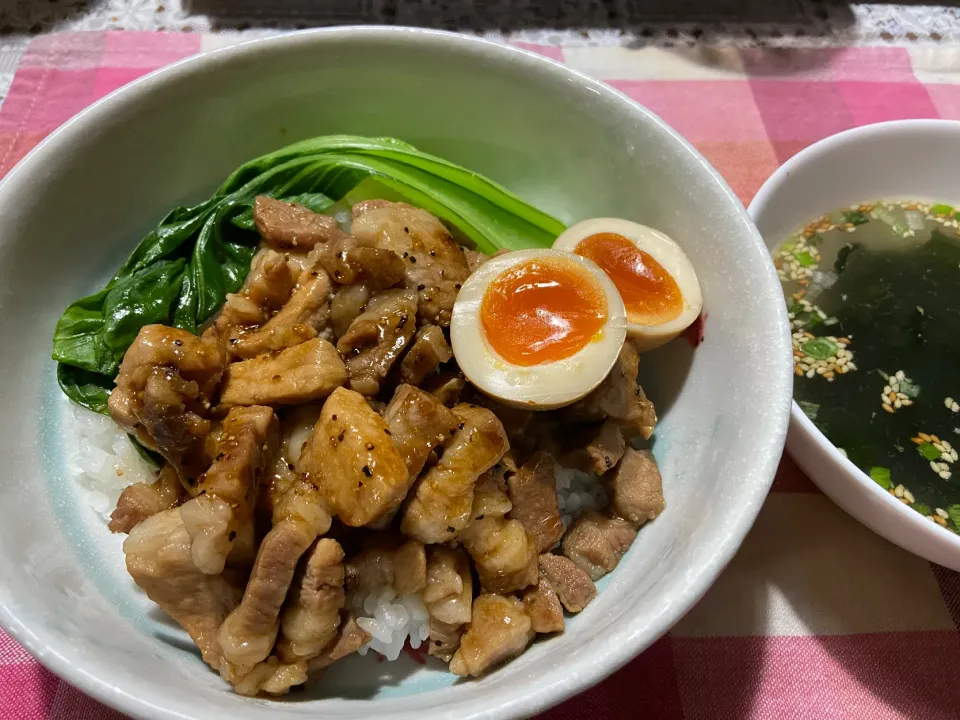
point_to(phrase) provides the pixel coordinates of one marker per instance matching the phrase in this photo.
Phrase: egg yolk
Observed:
(649, 292)
(541, 311)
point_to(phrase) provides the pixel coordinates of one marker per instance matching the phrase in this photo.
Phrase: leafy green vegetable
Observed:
(954, 512)
(928, 451)
(881, 476)
(941, 209)
(820, 348)
(809, 409)
(91, 390)
(181, 271)
(815, 240)
(921, 508)
(855, 217)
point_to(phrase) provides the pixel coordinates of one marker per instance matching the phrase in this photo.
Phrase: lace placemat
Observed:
(587, 23)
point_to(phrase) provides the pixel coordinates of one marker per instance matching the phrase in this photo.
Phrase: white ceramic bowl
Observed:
(73, 209)
(907, 159)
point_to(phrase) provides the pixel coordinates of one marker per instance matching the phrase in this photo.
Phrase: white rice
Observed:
(103, 459)
(391, 620)
(577, 492)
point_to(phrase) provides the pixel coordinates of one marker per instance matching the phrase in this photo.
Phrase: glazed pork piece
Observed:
(636, 489)
(619, 397)
(388, 561)
(533, 494)
(139, 501)
(500, 629)
(300, 374)
(504, 553)
(601, 452)
(302, 318)
(227, 492)
(418, 423)
(443, 499)
(436, 266)
(573, 586)
(164, 390)
(349, 638)
(159, 560)
(312, 614)
(596, 543)
(543, 606)
(354, 462)
(286, 226)
(376, 339)
(427, 352)
(248, 634)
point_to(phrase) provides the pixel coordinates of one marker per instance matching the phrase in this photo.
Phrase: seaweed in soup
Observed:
(882, 297)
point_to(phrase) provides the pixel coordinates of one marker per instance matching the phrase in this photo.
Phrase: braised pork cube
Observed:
(305, 315)
(159, 561)
(300, 374)
(636, 489)
(376, 339)
(596, 543)
(418, 423)
(139, 501)
(440, 507)
(227, 492)
(287, 225)
(533, 493)
(601, 453)
(619, 397)
(164, 389)
(436, 266)
(572, 585)
(427, 352)
(353, 460)
(311, 616)
(387, 561)
(499, 630)
(504, 553)
(248, 634)
(543, 607)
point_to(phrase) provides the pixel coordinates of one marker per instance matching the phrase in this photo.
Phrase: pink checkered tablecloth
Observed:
(816, 617)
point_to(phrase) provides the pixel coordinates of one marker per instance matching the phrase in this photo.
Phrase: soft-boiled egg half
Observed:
(655, 278)
(537, 329)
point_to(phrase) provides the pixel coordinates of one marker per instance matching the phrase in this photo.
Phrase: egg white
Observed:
(537, 387)
(662, 249)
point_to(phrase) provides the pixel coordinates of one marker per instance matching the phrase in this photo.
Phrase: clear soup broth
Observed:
(873, 295)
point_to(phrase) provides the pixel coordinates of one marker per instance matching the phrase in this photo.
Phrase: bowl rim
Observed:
(799, 422)
(592, 666)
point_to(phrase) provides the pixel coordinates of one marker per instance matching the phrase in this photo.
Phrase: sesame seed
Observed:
(942, 513)
(909, 497)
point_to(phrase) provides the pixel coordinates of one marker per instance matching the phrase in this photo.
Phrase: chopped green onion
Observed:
(928, 451)
(941, 209)
(881, 476)
(820, 348)
(855, 217)
(809, 409)
(815, 240)
(805, 259)
(954, 512)
(921, 508)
